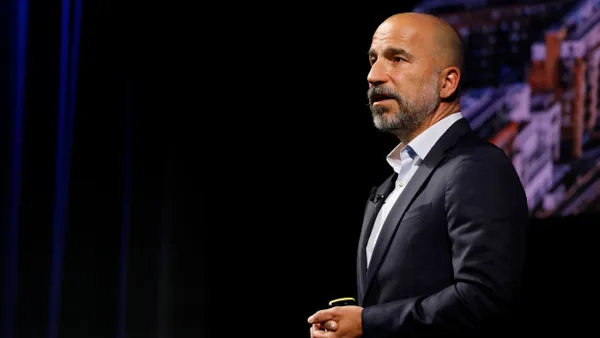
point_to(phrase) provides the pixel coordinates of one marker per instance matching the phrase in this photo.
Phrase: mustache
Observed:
(379, 91)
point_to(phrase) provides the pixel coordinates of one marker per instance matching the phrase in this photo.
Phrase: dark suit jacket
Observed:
(449, 258)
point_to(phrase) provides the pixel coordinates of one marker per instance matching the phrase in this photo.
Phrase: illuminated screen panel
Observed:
(532, 88)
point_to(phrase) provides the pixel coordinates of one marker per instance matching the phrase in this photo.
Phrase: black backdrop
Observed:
(231, 150)
(91, 99)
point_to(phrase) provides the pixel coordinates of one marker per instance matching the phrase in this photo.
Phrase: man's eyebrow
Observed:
(391, 51)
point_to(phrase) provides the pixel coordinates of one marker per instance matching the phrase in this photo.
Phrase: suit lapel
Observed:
(426, 168)
(370, 214)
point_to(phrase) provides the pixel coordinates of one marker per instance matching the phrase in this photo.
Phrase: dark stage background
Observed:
(93, 197)
(184, 171)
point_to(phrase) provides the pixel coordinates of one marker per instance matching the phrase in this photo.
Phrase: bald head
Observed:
(415, 75)
(436, 34)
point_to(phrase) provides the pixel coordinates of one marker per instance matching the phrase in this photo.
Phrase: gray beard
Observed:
(410, 115)
(406, 118)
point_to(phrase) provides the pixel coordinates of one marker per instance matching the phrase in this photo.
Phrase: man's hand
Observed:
(337, 322)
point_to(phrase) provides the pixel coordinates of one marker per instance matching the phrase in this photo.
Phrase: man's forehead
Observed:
(394, 35)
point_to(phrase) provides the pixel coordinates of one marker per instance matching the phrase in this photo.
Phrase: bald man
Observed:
(442, 244)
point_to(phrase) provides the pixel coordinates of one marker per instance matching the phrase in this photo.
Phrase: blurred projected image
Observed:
(531, 87)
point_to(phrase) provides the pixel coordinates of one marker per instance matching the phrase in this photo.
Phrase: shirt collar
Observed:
(420, 146)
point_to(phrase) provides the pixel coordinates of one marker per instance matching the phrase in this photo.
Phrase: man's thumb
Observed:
(331, 325)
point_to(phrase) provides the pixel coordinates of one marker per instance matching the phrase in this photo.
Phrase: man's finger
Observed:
(316, 328)
(321, 316)
(314, 333)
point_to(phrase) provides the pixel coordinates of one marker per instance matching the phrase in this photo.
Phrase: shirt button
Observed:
(401, 183)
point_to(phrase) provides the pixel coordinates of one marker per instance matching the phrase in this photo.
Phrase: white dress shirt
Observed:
(405, 161)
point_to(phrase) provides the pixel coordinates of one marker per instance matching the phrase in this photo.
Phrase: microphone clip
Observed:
(375, 197)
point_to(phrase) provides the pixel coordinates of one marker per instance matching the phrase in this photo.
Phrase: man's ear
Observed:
(450, 81)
